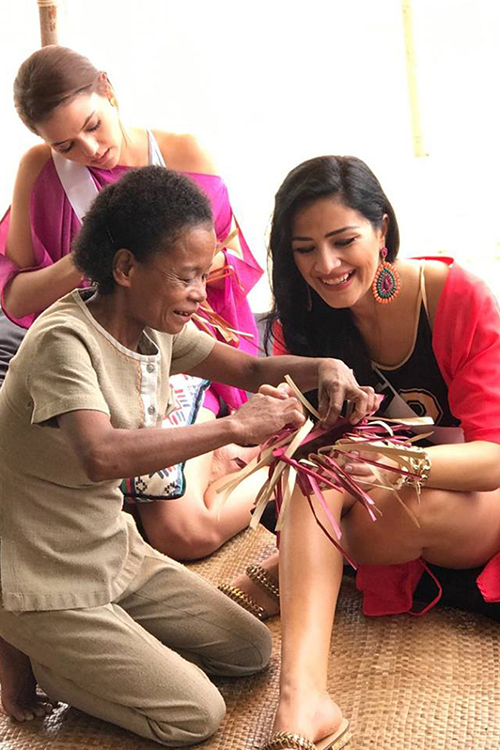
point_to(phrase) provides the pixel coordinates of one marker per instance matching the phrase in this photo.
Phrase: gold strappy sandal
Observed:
(261, 577)
(244, 600)
(294, 741)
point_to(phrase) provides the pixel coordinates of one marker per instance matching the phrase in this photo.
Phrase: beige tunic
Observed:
(65, 542)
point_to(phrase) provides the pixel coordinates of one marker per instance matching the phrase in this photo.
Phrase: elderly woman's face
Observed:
(166, 291)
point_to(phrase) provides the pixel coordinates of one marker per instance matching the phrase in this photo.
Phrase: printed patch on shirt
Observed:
(423, 403)
(169, 483)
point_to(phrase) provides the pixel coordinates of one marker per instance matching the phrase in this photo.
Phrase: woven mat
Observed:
(405, 683)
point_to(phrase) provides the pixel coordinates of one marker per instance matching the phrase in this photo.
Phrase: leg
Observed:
(190, 615)
(198, 523)
(310, 573)
(102, 662)
(19, 697)
(456, 530)
(264, 595)
(259, 594)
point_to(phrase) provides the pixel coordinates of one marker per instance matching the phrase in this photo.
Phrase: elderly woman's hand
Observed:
(264, 414)
(336, 384)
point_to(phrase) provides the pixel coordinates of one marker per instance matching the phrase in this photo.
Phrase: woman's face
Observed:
(86, 130)
(337, 251)
(167, 290)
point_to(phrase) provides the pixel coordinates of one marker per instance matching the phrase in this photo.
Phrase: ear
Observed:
(124, 264)
(384, 226)
(104, 88)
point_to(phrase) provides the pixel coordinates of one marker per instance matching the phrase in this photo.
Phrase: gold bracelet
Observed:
(421, 467)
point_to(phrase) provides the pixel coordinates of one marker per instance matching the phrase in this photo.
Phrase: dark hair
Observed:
(50, 76)
(145, 211)
(322, 330)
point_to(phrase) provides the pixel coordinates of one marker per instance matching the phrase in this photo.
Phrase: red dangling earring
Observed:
(386, 284)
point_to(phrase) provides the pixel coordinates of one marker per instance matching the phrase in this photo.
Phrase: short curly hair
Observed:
(145, 211)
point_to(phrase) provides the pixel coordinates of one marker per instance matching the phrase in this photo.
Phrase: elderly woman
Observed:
(72, 107)
(426, 334)
(110, 625)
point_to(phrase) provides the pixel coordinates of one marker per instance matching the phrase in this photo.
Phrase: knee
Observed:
(198, 721)
(253, 652)
(263, 646)
(209, 717)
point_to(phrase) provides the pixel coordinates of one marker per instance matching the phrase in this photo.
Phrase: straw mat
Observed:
(405, 683)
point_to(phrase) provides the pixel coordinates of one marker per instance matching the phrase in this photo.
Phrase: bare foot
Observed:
(256, 591)
(311, 713)
(19, 697)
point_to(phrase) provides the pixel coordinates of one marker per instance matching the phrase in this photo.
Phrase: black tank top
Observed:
(418, 379)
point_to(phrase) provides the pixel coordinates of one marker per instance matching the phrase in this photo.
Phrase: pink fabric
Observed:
(466, 343)
(388, 594)
(54, 225)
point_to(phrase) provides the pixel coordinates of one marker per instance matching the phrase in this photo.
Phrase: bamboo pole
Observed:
(48, 21)
(411, 76)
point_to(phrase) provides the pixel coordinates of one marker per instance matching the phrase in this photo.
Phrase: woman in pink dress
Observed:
(71, 106)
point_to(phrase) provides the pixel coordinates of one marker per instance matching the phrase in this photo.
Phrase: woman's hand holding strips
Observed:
(266, 413)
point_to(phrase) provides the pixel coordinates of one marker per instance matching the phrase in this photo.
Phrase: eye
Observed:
(65, 150)
(94, 127)
(345, 243)
(304, 249)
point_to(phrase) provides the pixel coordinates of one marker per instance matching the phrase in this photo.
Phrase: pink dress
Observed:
(54, 225)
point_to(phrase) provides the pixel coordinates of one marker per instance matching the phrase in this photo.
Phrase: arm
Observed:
(462, 467)
(109, 453)
(466, 467)
(36, 289)
(466, 342)
(334, 380)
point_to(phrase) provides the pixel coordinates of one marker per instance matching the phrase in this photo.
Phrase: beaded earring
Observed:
(386, 284)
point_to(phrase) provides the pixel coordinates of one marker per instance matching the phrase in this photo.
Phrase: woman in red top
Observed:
(427, 335)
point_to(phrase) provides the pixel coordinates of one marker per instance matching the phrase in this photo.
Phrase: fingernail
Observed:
(348, 467)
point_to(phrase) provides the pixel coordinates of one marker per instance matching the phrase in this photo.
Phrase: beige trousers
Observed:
(140, 661)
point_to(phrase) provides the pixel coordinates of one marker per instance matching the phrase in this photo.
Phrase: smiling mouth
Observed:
(339, 280)
(184, 314)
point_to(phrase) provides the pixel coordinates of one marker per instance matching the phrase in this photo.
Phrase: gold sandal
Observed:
(244, 600)
(294, 741)
(260, 576)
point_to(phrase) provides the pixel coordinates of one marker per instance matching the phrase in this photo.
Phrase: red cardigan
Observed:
(466, 344)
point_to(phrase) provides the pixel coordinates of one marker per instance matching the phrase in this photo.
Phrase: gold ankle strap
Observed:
(244, 600)
(260, 576)
(289, 741)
